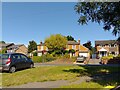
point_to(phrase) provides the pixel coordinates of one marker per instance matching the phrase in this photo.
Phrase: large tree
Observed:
(70, 38)
(88, 45)
(56, 42)
(106, 12)
(32, 46)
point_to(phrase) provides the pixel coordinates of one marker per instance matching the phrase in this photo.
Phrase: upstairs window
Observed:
(73, 46)
(115, 45)
(109, 45)
(112, 45)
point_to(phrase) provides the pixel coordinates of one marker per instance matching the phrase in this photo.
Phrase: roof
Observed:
(83, 49)
(42, 44)
(15, 46)
(6, 44)
(104, 42)
(72, 43)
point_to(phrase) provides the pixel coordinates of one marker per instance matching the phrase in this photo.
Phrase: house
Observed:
(21, 48)
(41, 49)
(80, 50)
(106, 47)
(5, 45)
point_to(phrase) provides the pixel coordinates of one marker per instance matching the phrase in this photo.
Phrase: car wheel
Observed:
(12, 69)
(31, 65)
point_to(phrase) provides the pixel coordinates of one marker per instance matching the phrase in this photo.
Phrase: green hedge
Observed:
(43, 58)
(37, 59)
(107, 57)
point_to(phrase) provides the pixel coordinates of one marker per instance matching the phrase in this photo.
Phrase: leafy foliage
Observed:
(3, 51)
(88, 45)
(56, 42)
(105, 12)
(32, 46)
(72, 51)
(2, 42)
(43, 58)
(70, 38)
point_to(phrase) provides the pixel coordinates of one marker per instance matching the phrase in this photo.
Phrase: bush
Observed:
(37, 59)
(107, 57)
(49, 57)
(35, 54)
(43, 58)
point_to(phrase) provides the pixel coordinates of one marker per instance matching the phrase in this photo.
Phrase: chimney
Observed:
(79, 41)
(41, 42)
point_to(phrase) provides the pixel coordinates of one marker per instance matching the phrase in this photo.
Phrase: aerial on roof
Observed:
(104, 42)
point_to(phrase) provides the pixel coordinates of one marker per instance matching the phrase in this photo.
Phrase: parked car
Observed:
(13, 61)
(81, 59)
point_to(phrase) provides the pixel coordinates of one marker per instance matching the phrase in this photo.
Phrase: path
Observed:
(94, 61)
(52, 84)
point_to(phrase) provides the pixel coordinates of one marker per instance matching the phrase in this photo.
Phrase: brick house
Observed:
(21, 48)
(106, 47)
(41, 49)
(80, 50)
(5, 45)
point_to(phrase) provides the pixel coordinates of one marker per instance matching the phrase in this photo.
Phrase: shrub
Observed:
(37, 59)
(107, 57)
(66, 56)
(35, 54)
(49, 57)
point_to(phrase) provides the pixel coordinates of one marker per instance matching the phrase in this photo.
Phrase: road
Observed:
(92, 62)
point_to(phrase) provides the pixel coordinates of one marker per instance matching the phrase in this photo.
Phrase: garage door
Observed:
(83, 54)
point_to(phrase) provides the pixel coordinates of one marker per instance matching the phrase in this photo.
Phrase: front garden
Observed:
(101, 76)
(111, 59)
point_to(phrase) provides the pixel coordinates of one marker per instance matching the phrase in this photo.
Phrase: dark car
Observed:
(14, 61)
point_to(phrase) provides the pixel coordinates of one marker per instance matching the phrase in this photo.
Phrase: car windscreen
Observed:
(4, 56)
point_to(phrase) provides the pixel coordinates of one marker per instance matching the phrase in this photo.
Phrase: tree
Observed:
(32, 46)
(2, 42)
(70, 38)
(3, 51)
(88, 45)
(56, 42)
(106, 12)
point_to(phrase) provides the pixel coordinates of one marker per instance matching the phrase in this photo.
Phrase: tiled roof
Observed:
(104, 42)
(15, 46)
(5, 44)
(41, 44)
(72, 43)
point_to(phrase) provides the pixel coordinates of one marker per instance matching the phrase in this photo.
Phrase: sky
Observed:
(26, 21)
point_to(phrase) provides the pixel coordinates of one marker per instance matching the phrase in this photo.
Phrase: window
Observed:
(115, 45)
(112, 45)
(41, 47)
(16, 57)
(24, 57)
(113, 53)
(73, 46)
(109, 45)
(5, 56)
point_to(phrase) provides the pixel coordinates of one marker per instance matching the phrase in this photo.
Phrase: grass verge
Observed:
(101, 75)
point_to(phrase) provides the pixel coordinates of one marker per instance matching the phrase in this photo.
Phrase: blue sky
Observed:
(23, 22)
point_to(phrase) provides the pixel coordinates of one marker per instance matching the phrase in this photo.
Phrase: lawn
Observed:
(101, 75)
